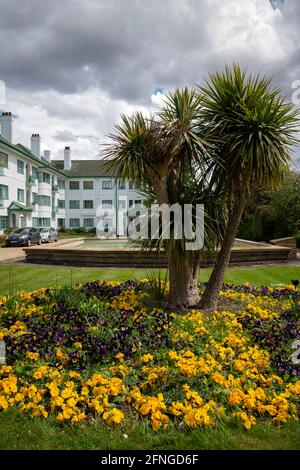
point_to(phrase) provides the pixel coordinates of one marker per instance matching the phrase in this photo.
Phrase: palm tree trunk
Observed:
(210, 296)
(183, 270)
(183, 277)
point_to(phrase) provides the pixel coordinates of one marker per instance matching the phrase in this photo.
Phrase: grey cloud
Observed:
(65, 136)
(128, 45)
(124, 47)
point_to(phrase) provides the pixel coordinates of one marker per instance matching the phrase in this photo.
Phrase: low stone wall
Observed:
(289, 242)
(138, 259)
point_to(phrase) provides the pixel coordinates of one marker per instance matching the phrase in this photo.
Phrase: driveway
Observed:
(11, 254)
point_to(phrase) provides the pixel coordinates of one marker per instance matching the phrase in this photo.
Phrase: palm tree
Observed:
(164, 153)
(253, 130)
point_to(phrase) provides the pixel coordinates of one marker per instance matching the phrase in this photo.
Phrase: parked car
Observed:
(23, 237)
(48, 234)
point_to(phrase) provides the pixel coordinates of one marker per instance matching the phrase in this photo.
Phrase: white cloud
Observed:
(157, 98)
(89, 116)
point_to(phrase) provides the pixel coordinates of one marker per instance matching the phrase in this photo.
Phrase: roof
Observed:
(27, 153)
(83, 168)
(79, 168)
(16, 206)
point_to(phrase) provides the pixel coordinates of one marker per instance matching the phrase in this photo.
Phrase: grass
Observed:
(17, 277)
(38, 434)
(21, 432)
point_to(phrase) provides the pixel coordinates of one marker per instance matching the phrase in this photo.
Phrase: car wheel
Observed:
(28, 242)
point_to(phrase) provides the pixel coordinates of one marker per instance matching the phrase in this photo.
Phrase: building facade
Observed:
(36, 191)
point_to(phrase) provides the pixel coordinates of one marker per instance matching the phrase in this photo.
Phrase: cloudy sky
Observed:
(71, 67)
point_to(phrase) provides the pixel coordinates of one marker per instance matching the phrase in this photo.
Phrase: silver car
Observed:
(48, 234)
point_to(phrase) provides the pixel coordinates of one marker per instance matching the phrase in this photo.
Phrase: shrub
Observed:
(273, 214)
(79, 230)
(8, 230)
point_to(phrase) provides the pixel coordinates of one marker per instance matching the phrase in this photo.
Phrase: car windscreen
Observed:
(44, 230)
(21, 230)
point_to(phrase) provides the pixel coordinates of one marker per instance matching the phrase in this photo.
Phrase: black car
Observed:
(23, 237)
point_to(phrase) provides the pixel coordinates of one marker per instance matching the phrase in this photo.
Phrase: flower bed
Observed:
(101, 351)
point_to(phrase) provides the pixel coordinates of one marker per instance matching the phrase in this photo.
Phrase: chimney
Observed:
(36, 145)
(67, 158)
(6, 126)
(47, 155)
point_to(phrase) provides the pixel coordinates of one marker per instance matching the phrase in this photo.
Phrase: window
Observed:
(39, 222)
(130, 202)
(122, 185)
(35, 198)
(61, 184)
(60, 223)
(61, 204)
(3, 221)
(3, 160)
(88, 204)
(88, 185)
(74, 223)
(3, 191)
(106, 204)
(44, 201)
(34, 173)
(137, 202)
(74, 185)
(45, 222)
(131, 185)
(74, 204)
(122, 204)
(107, 184)
(88, 223)
(20, 167)
(21, 195)
(44, 177)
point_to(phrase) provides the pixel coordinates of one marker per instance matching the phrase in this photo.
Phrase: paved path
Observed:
(12, 254)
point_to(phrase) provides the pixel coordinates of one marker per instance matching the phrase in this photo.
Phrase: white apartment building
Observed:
(36, 191)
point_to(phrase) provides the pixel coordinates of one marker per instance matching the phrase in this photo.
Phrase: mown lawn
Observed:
(21, 432)
(17, 277)
(18, 432)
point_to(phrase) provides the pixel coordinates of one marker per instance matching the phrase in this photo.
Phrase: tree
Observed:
(166, 153)
(253, 130)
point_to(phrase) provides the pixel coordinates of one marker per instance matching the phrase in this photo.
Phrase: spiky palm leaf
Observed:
(252, 126)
